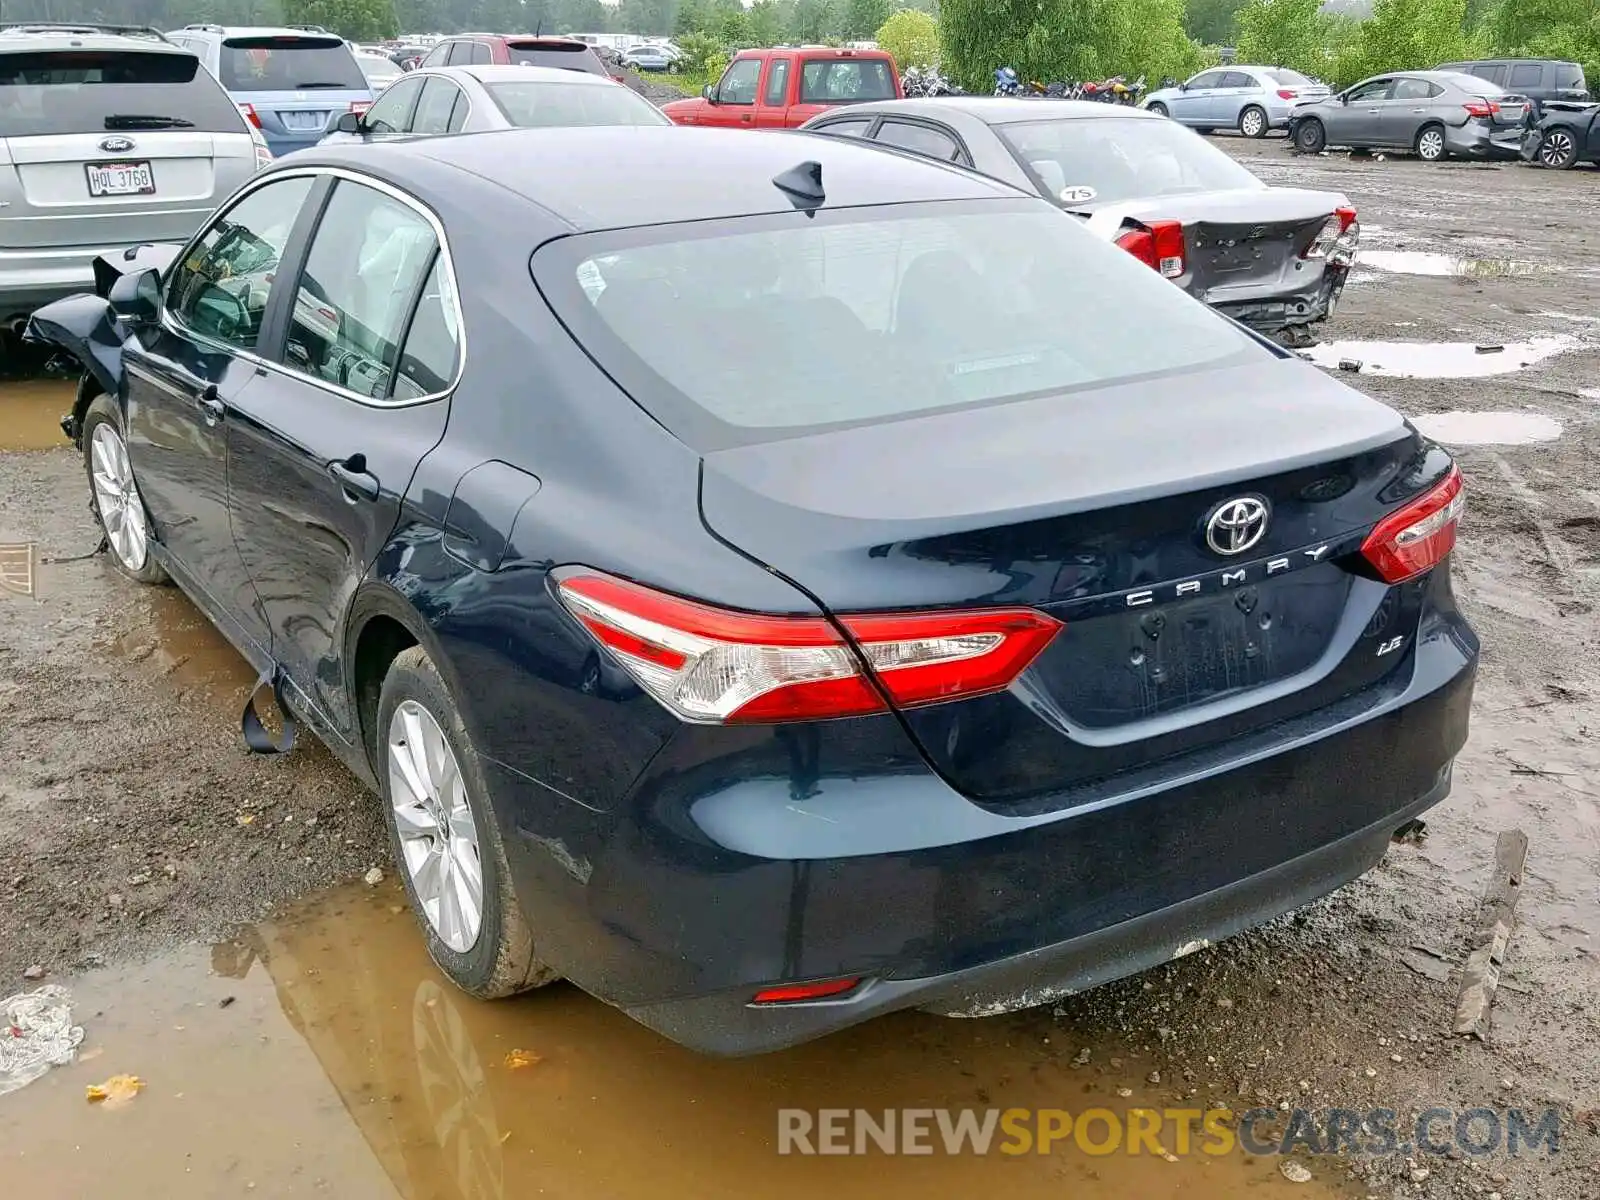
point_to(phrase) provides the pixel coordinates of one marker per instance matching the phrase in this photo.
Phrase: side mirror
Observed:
(136, 298)
(710, 93)
(1344, 98)
(1183, 87)
(348, 122)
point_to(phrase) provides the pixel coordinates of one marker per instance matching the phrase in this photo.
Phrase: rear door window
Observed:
(1415, 89)
(434, 109)
(91, 91)
(285, 63)
(842, 80)
(1526, 75)
(481, 54)
(367, 260)
(855, 127)
(1495, 73)
(921, 139)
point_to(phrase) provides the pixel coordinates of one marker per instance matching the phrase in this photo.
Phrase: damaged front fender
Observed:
(86, 328)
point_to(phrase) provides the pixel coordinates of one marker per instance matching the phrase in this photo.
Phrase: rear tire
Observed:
(114, 493)
(1430, 143)
(497, 957)
(1310, 137)
(1253, 121)
(1159, 109)
(1558, 151)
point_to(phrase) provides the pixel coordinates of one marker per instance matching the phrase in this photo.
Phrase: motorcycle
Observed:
(1006, 82)
(920, 82)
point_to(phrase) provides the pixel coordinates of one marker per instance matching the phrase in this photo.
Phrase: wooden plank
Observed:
(1496, 919)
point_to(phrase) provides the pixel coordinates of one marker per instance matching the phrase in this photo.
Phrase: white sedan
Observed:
(440, 100)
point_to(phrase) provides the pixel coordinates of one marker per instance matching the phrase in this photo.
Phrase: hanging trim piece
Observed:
(255, 733)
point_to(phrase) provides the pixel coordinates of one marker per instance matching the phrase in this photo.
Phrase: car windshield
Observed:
(1287, 78)
(573, 56)
(1087, 162)
(841, 80)
(286, 63)
(534, 105)
(91, 91)
(749, 330)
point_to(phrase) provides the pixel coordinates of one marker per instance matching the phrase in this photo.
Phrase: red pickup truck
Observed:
(784, 88)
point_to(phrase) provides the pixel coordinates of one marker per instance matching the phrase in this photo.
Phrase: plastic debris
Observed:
(1293, 1171)
(114, 1092)
(36, 1033)
(373, 877)
(521, 1058)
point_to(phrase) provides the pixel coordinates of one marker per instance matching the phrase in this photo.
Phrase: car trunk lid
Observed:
(1238, 245)
(1070, 506)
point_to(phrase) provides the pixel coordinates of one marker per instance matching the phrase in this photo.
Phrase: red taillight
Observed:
(1413, 539)
(1157, 244)
(716, 666)
(360, 106)
(1337, 239)
(249, 111)
(1287, 93)
(1481, 108)
(789, 993)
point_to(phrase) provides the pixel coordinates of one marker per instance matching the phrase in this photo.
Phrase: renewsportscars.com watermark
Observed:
(1167, 1132)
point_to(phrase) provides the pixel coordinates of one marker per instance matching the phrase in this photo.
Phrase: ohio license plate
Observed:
(120, 179)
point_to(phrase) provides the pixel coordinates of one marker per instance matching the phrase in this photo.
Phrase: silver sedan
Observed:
(1437, 114)
(440, 100)
(1249, 99)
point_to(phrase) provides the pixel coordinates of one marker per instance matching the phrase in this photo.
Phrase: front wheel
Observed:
(1430, 143)
(1159, 109)
(1557, 150)
(117, 504)
(1253, 122)
(446, 838)
(1310, 137)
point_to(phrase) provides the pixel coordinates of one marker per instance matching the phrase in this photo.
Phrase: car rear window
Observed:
(90, 91)
(1477, 85)
(1106, 159)
(285, 63)
(1287, 78)
(749, 330)
(1570, 75)
(531, 105)
(567, 56)
(843, 80)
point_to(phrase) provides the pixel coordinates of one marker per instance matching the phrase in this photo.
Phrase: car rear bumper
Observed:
(1302, 306)
(30, 279)
(679, 920)
(1473, 140)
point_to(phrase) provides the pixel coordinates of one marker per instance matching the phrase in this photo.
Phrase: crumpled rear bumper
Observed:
(1303, 306)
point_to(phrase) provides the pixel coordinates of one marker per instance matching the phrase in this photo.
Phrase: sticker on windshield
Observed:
(1077, 195)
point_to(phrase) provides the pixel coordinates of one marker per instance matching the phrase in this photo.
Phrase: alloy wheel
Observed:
(438, 836)
(116, 496)
(1253, 123)
(1431, 145)
(1556, 149)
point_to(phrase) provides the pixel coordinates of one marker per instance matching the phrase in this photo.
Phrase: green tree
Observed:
(1284, 33)
(766, 22)
(912, 37)
(652, 17)
(861, 18)
(1406, 34)
(359, 20)
(1212, 22)
(700, 52)
(814, 21)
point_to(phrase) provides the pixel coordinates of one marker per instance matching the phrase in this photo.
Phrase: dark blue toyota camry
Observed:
(772, 581)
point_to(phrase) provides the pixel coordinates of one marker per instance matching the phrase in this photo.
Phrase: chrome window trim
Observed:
(454, 81)
(175, 326)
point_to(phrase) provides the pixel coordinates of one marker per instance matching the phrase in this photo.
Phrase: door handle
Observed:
(358, 482)
(1419, 110)
(210, 404)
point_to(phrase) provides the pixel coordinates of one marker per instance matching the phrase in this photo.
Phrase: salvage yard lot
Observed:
(136, 822)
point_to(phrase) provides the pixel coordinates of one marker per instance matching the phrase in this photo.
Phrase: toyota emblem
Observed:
(1236, 525)
(116, 144)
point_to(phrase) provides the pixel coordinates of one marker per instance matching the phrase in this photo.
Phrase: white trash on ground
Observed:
(36, 1033)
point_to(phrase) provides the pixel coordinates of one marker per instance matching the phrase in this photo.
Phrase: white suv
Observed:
(109, 136)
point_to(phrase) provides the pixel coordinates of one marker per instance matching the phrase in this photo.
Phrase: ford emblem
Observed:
(116, 144)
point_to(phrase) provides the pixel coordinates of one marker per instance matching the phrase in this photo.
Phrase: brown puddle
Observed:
(347, 1066)
(172, 640)
(30, 414)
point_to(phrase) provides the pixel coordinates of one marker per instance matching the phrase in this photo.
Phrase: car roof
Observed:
(500, 72)
(673, 173)
(41, 37)
(233, 31)
(1001, 110)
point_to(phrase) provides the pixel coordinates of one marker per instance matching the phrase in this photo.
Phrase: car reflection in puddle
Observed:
(345, 1065)
(1428, 262)
(1438, 360)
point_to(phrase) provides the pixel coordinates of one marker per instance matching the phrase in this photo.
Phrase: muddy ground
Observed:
(136, 825)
